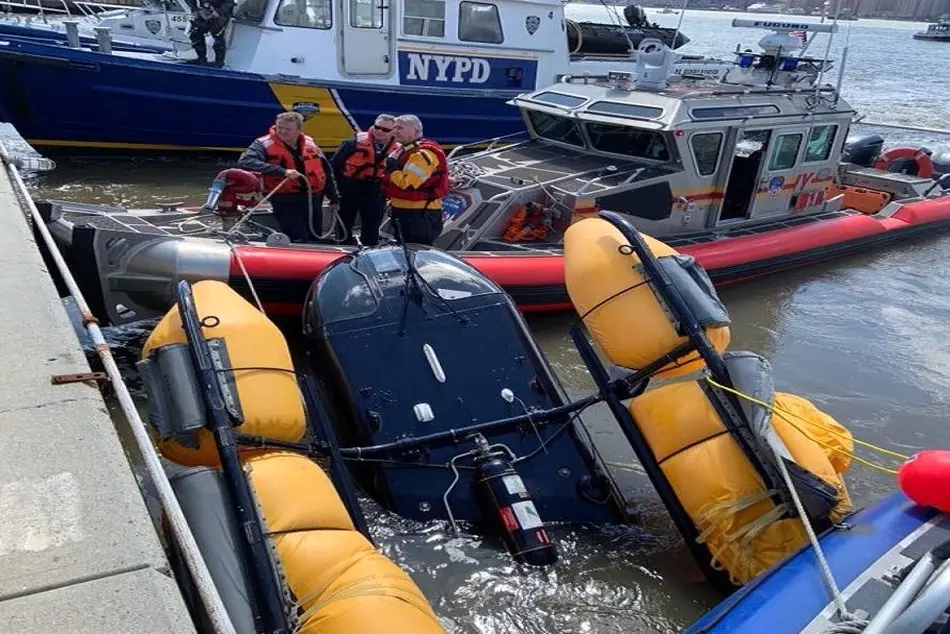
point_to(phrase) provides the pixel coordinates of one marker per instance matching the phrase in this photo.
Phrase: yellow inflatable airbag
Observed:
(342, 583)
(729, 502)
(632, 328)
(270, 400)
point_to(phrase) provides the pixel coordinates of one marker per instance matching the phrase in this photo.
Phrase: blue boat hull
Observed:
(48, 36)
(787, 598)
(77, 101)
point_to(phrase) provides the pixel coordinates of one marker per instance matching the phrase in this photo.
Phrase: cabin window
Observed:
(424, 17)
(558, 99)
(250, 10)
(733, 112)
(480, 22)
(786, 152)
(820, 140)
(706, 148)
(306, 14)
(631, 110)
(366, 14)
(554, 128)
(634, 142)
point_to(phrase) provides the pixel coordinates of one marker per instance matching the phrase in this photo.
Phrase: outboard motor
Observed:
(444, 399)
(231, 191)
(635, 15)
(941, 164)
(862, 150)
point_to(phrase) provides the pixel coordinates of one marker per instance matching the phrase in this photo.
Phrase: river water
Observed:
(865, 338)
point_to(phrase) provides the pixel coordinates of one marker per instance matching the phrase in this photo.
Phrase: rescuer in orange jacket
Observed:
(417, 178)
(286, 151)
(360, 168)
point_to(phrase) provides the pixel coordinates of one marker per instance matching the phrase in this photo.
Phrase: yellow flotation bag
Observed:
(735, 516)
(341, 583)
(336, 579)
(269, 397)
(619, 309)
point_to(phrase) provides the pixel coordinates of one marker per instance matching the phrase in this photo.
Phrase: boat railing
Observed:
(860, 120)
(81, 8)
(492, 142)
(919, 600)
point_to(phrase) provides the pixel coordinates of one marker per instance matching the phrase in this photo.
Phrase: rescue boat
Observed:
(744, 174)
(287, 546)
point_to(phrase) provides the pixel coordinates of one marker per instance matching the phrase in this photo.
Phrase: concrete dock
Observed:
(79, 553)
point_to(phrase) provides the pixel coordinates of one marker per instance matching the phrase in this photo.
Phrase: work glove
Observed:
(391, 164)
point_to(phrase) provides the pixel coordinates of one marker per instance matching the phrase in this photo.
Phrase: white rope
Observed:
(850, 623)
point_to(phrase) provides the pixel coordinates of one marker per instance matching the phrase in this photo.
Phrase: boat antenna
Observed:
(824, 61)
(679, 23)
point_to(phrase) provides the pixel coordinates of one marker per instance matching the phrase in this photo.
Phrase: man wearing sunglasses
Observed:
(360, 167)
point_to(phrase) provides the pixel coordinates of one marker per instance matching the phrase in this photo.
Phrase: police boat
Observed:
(154, 27)
(452, 63)
(750, 175)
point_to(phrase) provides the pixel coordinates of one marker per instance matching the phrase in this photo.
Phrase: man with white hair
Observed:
(417, 179)
(360, 168)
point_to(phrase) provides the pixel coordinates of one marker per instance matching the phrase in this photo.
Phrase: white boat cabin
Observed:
(484, 45)
(680, 157)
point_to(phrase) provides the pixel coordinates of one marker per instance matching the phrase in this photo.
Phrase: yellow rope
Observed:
(784, 414)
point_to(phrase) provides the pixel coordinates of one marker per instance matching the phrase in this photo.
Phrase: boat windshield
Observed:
(628, 141)
(250, 10)
(555, 128)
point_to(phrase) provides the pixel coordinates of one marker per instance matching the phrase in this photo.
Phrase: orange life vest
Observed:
(433, 188)
(364, 163)
(528, 223)
(279, 154)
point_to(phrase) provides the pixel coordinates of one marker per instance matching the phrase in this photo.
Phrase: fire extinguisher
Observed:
(507, 507)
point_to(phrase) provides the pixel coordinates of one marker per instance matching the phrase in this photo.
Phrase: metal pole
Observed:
(896, 126)
(218, 614)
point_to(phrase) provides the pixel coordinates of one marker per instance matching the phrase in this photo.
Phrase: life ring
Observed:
(925, 165)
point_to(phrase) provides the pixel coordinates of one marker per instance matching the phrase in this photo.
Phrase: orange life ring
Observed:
(925, 165)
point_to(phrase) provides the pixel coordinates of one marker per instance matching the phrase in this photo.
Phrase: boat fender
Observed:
(267, 400)
(620, 310)
(920, 156)
(175, 406)
(925, 479)
(507, 506)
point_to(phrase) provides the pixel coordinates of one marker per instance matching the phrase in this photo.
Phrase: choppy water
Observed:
(865, 338)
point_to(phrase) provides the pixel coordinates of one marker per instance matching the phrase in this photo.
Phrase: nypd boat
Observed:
(454, 63)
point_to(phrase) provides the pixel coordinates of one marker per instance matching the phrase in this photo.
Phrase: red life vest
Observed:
(363, 163)
(279, 154)
(433, 188)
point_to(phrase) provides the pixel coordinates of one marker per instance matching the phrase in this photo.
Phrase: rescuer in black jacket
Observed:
(209, 16)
